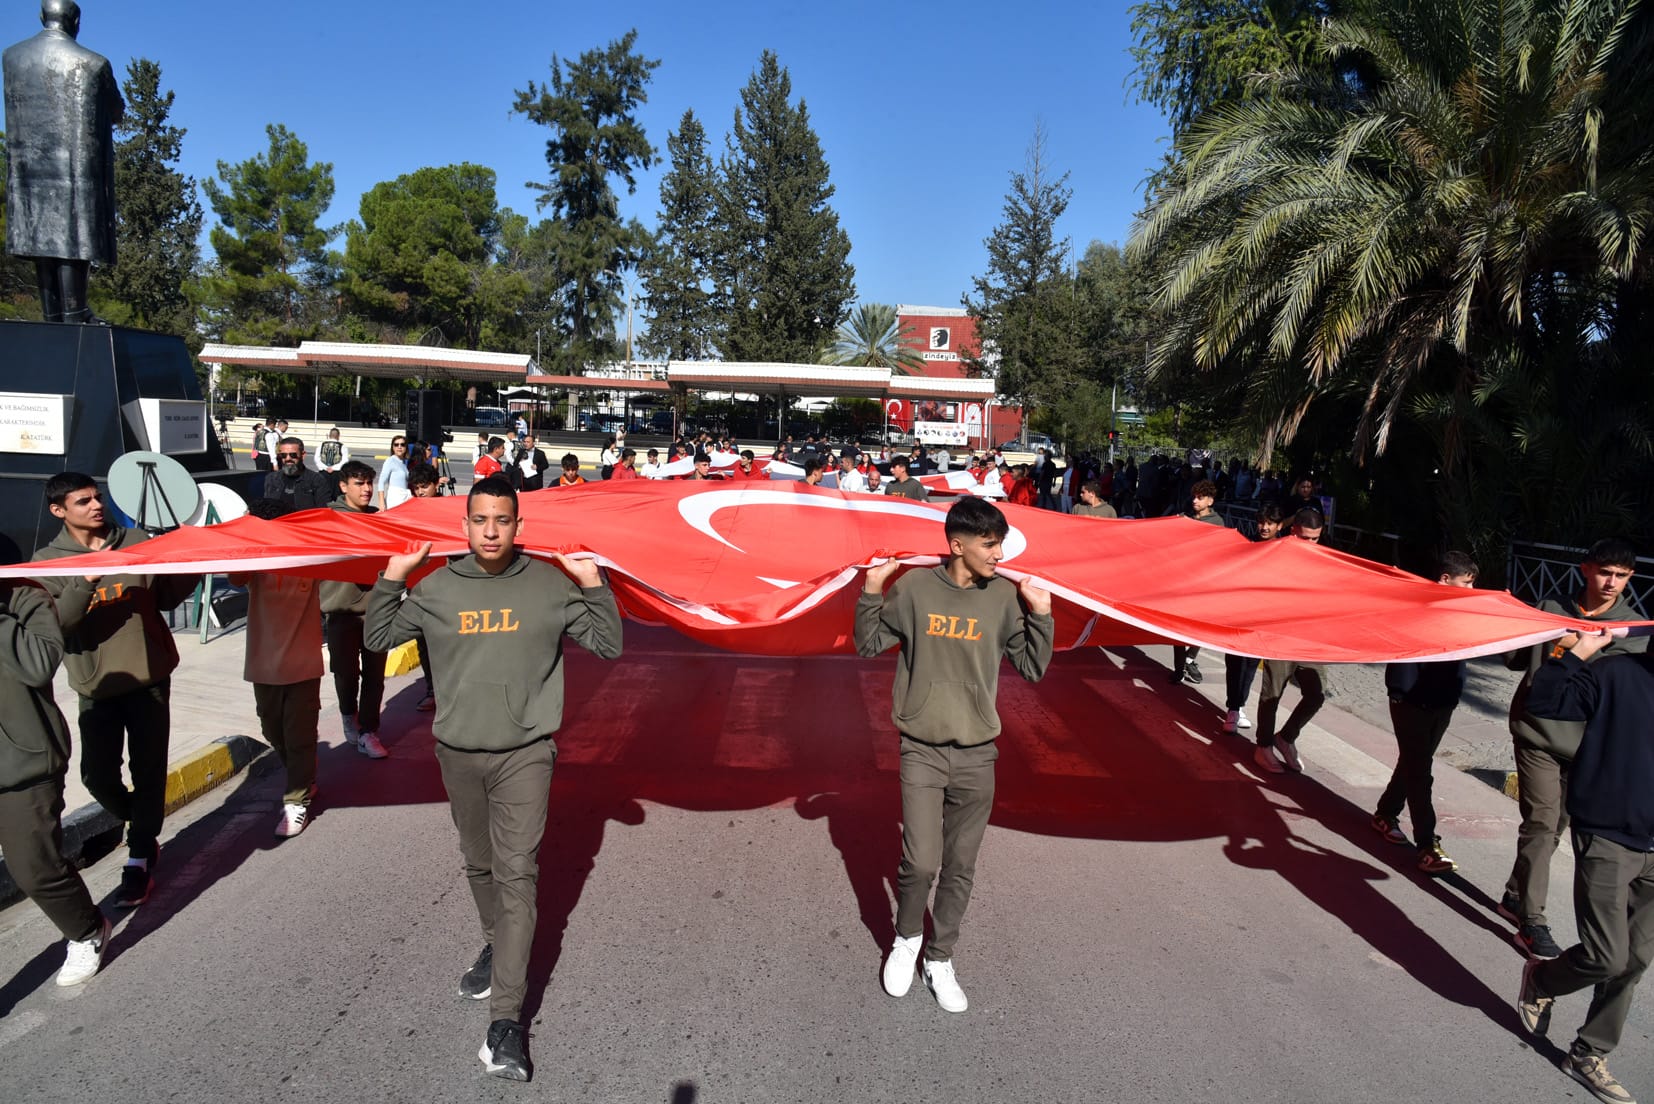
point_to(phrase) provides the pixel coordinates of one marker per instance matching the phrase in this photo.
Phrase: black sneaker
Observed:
(1176, 677)
(136, 886)
(1534, 940)
(504, 1053)
(1510, 907)
(478, 981)
(1191, 673)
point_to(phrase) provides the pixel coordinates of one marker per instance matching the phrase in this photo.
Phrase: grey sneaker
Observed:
(1533, 1009)
(1592, 1072)
(1534, 940)
(478, 982)
(368, 744)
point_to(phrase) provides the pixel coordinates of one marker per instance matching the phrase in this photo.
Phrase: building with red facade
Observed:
(943, 337)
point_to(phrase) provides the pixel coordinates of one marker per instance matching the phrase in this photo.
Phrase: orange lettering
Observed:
(938, 625)
(970, 630)
(506, 624)
(467, 622)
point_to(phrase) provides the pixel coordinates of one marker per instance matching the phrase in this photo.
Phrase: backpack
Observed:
(329, 452)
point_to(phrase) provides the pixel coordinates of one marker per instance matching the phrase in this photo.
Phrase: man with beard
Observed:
(292, 485)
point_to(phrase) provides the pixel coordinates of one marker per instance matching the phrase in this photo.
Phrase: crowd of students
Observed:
(1580, 717)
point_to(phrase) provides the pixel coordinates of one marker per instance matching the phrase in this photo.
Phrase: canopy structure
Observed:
(771, 568)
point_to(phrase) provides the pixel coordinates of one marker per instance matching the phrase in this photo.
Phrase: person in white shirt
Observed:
(942, 458)
(333, 453)
(651, 466)
(849, 479)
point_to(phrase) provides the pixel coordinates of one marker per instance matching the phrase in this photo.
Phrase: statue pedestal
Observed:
(101, 376)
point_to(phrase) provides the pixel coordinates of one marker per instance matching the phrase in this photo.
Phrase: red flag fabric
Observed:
(772, 569)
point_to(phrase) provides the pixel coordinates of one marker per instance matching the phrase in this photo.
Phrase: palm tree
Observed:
(873, 338)
(1401, 224)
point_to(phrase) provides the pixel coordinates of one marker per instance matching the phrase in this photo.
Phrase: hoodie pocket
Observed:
(946, 706)
(482, 714)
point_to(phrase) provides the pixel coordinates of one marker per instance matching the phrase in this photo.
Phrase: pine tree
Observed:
(590, 106)
(158, 218)
(678, 269)
(784, 277)
(1023, 304)
(270, 282)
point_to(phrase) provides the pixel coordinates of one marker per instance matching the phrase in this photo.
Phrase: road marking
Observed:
(19, 1024)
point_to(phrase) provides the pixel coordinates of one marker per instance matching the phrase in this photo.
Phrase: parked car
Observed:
(492, 417)
(896, 435)
(1035, 442)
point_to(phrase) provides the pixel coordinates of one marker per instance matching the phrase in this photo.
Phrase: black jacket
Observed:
(1426, 685)
(1611, 782)
(311, 490)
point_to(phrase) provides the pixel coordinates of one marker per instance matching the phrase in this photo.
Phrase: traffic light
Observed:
(1113, 436)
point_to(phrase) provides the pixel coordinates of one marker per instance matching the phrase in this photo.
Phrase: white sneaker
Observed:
(293, 819)
(1289, 752)
(84, 957)
(944, 986)
(1265, 758)
(368, 744)
(1242, 720)
(1230, 720)
(898, 968)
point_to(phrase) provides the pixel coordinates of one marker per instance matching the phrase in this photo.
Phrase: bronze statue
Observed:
(62, 104)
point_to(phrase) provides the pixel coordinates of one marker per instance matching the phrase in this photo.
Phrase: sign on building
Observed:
(37, 424)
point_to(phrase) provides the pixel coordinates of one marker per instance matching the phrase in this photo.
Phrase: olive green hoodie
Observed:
(112, 629)
(1562, 738)
(495, 644)
(34, 740)
(338, 596)
(952, 639)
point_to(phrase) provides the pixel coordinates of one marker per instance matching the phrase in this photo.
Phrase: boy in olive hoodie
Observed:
(494, 623)
(34, 755)
(120, 657)
(953, 623)
(1545, 747)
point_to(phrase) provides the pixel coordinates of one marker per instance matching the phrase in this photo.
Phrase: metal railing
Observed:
(1535, 571)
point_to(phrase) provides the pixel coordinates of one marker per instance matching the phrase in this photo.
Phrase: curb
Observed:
(91, 831)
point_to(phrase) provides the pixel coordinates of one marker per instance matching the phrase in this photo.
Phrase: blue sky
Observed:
(923, 109)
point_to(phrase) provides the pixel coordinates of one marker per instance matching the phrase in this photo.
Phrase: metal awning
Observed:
(379, 361)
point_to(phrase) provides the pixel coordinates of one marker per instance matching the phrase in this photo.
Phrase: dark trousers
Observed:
(1238, 673)
(1614, 908)
(1542, 799)
(138, 722)
(355, 668)
(287, 717)
(498, 801)
(1419, 733)
(31, 838)
(947, 797)
(1277, 674)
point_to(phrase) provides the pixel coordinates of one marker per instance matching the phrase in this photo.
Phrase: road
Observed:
(1152, 921)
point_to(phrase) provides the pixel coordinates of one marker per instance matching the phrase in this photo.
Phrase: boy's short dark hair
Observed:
(628, 454)
(1271, 511)
(975, 517)
(64, 484)
(746, 454)
(1455, 563)
(1204, 489)
(494, 486)
(812, 465)
(899, 462)
(569, 460)
(496, 443)
(702, 458)
(1093, 486)
(267, 509)
(1309, 518)
(1612, 552)
(422, 475)
(354, 469)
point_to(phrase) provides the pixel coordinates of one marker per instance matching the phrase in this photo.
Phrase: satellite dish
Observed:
(218, 505)
(153, 490)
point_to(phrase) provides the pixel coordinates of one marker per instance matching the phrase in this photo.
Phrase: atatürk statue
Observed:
(61, 107)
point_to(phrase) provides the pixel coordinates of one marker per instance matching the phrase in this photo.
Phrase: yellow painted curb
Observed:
(1512, 790)
(195, 774)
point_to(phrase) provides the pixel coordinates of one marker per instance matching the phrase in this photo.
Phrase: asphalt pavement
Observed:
(1153, 921)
